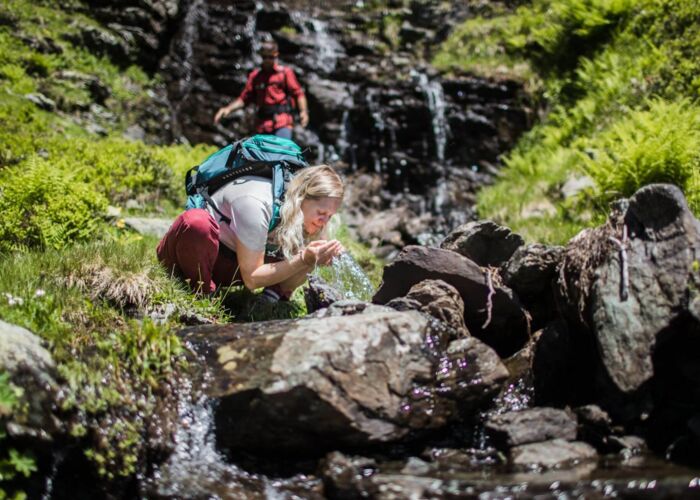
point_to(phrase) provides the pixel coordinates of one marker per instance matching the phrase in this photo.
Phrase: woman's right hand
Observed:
(321, 252)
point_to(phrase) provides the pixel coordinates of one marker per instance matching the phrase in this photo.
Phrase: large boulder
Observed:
(491, 311)
(30, 367)
(310, 385)
(633, 285)
(484, 242)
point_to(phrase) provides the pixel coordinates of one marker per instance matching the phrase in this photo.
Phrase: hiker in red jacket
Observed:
(273, 88)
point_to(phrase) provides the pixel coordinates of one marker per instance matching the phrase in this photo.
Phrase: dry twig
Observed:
(624, 269)
(489, 299)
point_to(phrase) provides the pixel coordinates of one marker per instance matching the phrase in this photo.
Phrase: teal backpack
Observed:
(263, 155)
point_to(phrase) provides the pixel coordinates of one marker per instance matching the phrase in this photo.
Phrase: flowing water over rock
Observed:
(348, 278)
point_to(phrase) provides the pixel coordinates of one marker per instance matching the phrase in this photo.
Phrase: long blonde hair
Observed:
(309, 183)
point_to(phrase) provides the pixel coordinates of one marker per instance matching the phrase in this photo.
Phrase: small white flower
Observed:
(14, 301)
(39, 292)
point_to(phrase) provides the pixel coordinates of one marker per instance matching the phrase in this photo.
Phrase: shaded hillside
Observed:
(621, 86)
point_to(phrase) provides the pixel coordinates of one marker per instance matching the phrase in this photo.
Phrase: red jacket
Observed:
(269, 88)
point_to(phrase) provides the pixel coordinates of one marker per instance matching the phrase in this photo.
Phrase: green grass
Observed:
(114, 365)
(91, 290)
(614, 74)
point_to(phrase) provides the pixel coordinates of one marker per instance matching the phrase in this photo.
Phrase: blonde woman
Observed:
(208, 253)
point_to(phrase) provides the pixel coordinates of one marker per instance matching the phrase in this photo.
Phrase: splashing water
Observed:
(196, 469)
(348, 278)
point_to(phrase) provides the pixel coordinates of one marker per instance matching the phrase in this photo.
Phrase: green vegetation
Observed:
(620, 82)
(13, 463)
(90, 288)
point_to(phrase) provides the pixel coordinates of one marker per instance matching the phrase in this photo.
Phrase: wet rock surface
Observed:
(292, 386)
(318, 294)
(531, 426)
(438, 299)
(491, 311)
(549, 454)
(394, 116)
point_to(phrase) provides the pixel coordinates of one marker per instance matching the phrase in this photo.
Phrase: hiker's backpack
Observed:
(262, 155)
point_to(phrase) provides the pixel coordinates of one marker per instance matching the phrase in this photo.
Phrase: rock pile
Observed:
(428, 353)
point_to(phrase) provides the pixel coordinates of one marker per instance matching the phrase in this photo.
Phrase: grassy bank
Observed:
(89, 287)
(619, 82)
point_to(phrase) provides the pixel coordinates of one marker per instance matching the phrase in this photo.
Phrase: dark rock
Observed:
(594, 426)
(462, 459)
(404, 304)
(484, 242)
(272, 19)
(410, 34)
(530, 272)
(102, 41)
(344, 476)
(438, 299)
(531, 426)
(328, 99)
(639, 324)
(549, 454)
(31, 367)
(289, 385)
(319, 294)
(506, 330)
(377, 226)
(471, 360)
(630, 445)
(519, 365)
(561, 366)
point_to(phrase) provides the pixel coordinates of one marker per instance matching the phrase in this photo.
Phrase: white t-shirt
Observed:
(247, 201)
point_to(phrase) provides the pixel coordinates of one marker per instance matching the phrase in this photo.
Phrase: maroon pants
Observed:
(191, 250)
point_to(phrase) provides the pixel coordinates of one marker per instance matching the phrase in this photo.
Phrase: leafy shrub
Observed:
(44, 207)
(551, 35)
(573, 28)
(661, 144)
(12, 462)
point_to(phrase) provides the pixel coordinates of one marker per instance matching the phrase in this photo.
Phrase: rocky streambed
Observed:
(486, 367)
(483, 368)
(540, 373)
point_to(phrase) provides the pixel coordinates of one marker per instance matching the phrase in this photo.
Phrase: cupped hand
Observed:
(321, 252)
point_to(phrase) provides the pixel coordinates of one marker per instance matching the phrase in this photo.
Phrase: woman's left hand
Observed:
(325, 250)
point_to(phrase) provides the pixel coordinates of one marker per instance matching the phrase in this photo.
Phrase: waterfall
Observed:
(250, 31)
(344, 145)
(186, 62)
(327, 47)
(436, 104)
(375, 111)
